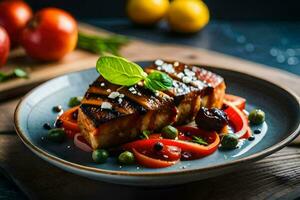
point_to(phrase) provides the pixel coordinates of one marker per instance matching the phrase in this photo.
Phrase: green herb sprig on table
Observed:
(16, 73)
(100, 45)
(120, 71)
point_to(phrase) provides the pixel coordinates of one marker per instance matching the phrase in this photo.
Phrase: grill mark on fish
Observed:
(98, 115)
(139, 99)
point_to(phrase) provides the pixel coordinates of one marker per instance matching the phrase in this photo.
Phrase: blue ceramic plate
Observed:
(282, 126)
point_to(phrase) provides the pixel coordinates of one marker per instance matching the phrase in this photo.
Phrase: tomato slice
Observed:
(237, 101)
(238, 120)
(69, 123)
(147, 161)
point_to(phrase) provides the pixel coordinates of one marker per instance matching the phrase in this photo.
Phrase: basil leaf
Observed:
(120, 71)
(158, 81)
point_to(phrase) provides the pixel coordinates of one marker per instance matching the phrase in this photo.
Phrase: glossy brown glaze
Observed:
(112, 114)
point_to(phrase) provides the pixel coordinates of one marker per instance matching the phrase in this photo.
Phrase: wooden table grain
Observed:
(274, 177)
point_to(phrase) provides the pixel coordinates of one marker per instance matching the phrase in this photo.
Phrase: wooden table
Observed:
(277, 176)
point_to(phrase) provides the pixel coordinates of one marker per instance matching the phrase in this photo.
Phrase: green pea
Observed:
(169, 132)
(74, 101)
(256, 116)
(56, 135)
(126, 158)
(100, 156)
(229, 141)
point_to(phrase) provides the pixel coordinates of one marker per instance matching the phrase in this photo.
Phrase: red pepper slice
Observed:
(151, 162)
(238, 120)
(69, 123)
(237, 101)
(195, 150)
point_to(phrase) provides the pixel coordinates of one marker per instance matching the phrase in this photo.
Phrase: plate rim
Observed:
(67, 164)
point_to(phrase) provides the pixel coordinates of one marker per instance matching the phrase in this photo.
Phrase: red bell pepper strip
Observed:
(147, 161)
(196, 150)
(237, 101)
(238, 120)
(69, 124)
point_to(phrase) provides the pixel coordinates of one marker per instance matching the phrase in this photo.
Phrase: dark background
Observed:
(220, 9)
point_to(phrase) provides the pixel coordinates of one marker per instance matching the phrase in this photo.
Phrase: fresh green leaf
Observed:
(100, 45)
(74, 101)
(199, 140)
(16, 73)
(145, 134)
(158, 81)
(120, 71)
(20, 73)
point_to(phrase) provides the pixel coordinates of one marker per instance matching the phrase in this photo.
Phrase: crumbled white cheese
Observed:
(108, 90)
(189, 72)
(198, 83)
(176, 64)
(121, 95)
(175, 84)
(195, 69)
(179, 90)
(120, 100)
(168, 68)
(106, 105)
(102, 84)
(159, 62)
(186, 79)
(131, 89)
(139, 94)
(113, 95)
(158, 68)
(180, 75)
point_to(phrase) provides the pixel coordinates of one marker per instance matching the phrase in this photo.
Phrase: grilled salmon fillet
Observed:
(110, 115)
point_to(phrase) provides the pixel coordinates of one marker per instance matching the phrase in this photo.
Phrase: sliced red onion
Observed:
(79, 142)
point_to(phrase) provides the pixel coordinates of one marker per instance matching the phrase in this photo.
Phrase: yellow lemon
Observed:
(147, 11)
(188, 16)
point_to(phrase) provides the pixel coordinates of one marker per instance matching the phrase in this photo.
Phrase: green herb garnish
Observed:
(199, 140)
(158, 81)
(120, 71)
(101, 45)
(145, 134)
(74, 101)
(16, 73)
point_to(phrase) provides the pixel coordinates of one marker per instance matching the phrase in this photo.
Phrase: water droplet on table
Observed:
(293, 61)
(249, 47)
(274, 52)
(280, 58)
(290, 52)
(241, 39)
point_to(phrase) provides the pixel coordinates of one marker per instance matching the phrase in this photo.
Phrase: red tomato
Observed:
(14, 16)
(50, 35)
(4, 46)
(237, 101)
(69, 123)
